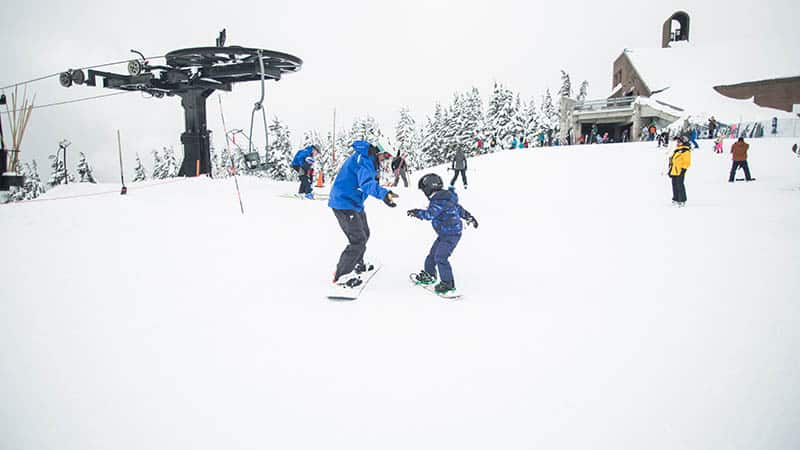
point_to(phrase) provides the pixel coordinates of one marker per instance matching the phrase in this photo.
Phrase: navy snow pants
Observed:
(441, 250)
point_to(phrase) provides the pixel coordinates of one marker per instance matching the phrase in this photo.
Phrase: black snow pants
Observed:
(678, 188)
(455, 176)
(735, 167)
(355, 227)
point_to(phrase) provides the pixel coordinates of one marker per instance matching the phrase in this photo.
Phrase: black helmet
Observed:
(430, 183)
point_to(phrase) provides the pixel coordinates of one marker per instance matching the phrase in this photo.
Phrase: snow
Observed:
(687, 74)
(595, 315)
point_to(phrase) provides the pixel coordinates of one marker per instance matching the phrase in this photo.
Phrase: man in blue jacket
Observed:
(357, 179)
(303, 164)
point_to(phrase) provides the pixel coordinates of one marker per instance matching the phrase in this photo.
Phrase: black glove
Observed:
(471, 220)
(389, 199)
(413, 213)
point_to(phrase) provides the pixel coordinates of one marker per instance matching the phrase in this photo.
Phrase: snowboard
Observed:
(744, 179)
(300, 197)
(346, 294)
(453, 295)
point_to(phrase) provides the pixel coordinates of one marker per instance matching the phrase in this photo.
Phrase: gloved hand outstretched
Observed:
(413, 213)
(472, 221)
(389, 199)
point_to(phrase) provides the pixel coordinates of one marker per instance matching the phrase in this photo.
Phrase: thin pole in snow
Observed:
(121, 173)
(228, 148)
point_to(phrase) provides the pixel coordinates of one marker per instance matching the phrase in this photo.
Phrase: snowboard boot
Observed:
(445, 287)
(424, 278)
(348, 280)
(363, 267)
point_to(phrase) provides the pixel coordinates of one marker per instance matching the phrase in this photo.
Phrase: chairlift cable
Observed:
(79, 68)
(71, 101)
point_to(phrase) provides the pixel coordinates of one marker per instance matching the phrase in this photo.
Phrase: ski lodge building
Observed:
(735, 82)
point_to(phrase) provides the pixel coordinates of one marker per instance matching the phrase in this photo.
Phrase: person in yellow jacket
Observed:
(678, 164)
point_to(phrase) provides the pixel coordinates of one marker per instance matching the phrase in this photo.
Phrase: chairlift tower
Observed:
(193, 74)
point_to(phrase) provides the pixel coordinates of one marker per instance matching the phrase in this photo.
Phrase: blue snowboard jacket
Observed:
(445, 213)
(303, 158)
(357, 179)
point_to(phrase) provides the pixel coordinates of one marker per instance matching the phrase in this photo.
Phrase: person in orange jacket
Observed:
(678, 164)
(739, 150)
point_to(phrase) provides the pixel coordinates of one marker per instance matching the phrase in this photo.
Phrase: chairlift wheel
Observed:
(135, 67)
(65, 79)
(78, 77)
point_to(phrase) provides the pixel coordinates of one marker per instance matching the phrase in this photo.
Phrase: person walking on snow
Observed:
(399, 167)
(712, 127)
(303, 164)
(445, 214)
(356, 180)
(693, 138)
(739, 151)
(459, 165)
(718, 143)
(678, 164)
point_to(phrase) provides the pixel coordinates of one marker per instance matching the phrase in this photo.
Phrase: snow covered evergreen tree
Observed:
(550, 116)
(33, 183)
(532, 122)
(158, 167)
(170, 163)
(432, 139)
(407, 139)
(566, 85)
(366, 129)
(472, 122)
(279, 157)
(584, 90)
(520, 119)
(84, 170)
(57, 172)
(500, 116)
(139, 174)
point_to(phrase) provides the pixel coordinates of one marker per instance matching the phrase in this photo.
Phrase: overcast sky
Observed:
(360, 57)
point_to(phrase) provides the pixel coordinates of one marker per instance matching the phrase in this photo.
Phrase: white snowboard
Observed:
(345, 293)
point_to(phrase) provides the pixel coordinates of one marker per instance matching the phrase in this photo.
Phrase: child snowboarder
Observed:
(718, 144)
(446, 214)
(678, 165)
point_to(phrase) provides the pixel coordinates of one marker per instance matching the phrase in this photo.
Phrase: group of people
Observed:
(358, 179)
(681, 159)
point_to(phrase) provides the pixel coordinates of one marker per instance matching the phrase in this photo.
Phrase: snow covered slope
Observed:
(595, 315)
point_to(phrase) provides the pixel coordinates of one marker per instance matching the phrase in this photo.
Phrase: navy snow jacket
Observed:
(445, 212)
(356, 180)
(303, 158)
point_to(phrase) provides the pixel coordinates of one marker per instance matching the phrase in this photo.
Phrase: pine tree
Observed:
(472, 124)
(583, 91)
(432, 140)
(170, 164)
(365, 129)
(532, 122)
(84, 170)
(159, 172)
(280, 153)
(566, 86)
(139, 174)
(520, 119)
(550, 116)
(407, 139)
(57, 173)
(500, 115)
